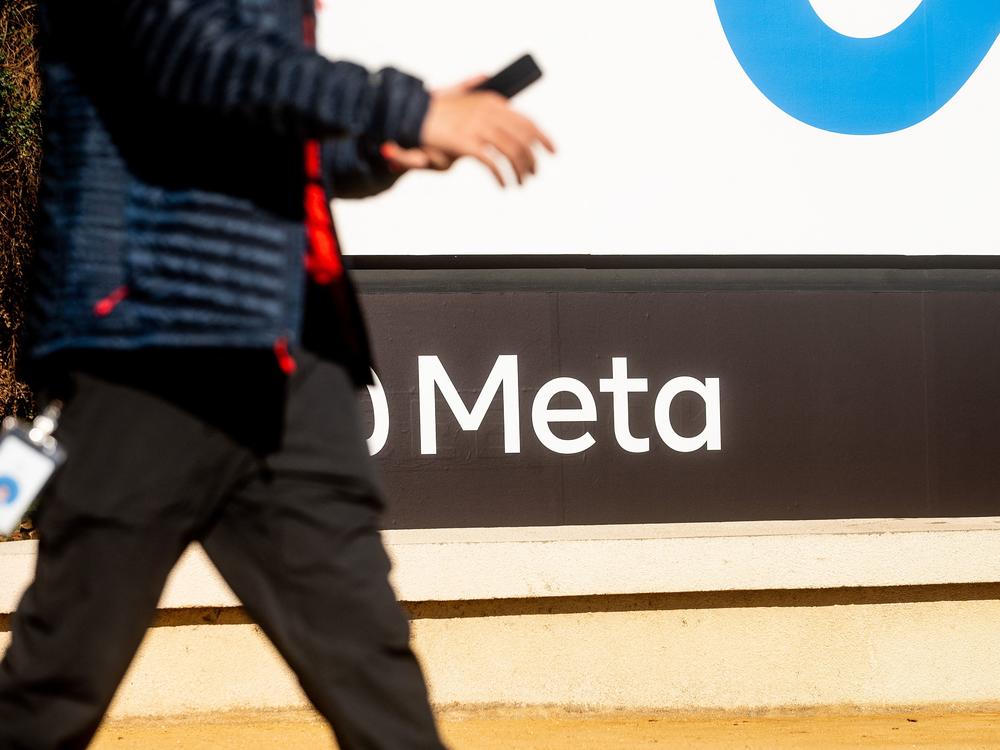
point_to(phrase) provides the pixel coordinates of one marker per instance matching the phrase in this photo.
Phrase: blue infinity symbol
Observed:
(860, 86)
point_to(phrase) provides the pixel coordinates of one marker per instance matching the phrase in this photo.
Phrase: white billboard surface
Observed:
(681, 131)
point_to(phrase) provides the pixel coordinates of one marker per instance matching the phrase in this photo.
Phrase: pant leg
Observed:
(111, 527)
(299, 544)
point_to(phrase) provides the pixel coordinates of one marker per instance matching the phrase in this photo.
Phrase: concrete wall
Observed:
(756, 616)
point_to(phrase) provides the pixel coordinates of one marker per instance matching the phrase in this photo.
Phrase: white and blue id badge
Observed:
(29, 455)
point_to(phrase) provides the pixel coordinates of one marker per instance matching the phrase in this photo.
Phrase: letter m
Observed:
(432, 374)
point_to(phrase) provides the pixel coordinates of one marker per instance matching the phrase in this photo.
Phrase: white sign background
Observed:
(666, 146)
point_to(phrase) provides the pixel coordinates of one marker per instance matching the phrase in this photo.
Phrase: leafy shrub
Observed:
(20, 150)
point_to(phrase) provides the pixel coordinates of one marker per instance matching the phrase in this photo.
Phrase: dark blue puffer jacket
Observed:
(173, 175)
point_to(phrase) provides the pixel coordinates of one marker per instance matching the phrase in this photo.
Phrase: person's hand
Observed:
(462, 122)
(404, 159)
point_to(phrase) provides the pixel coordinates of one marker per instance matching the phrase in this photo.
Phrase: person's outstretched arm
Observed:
(199, 55)
(462, 122)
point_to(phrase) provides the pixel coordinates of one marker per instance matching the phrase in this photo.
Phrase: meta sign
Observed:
(599, 397)
(610, 389)
(715, 127)
(504, 379)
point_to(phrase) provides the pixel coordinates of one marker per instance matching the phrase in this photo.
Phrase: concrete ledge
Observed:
(767, 657)
(460, 564)
(706, 617)
(516, 563)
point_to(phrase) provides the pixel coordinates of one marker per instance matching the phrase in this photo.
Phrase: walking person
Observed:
(191, 307)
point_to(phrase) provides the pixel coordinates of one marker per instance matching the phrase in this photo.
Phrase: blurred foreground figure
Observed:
(191, 307)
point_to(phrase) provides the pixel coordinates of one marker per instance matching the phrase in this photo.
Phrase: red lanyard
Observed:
(323, 260)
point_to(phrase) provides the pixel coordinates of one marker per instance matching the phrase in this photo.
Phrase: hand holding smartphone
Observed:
(462, 122)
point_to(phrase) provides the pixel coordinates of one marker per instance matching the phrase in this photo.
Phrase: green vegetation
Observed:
(20, 149)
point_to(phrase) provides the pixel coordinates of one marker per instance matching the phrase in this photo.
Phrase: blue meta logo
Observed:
(859, 86)
(9, 490)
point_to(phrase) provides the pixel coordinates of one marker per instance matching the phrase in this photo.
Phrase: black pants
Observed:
(273, 477)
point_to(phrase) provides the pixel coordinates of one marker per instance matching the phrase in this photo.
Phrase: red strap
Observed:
(323, 260)
(104, 307)
(317, 210)
(285, 359)
(314, 164)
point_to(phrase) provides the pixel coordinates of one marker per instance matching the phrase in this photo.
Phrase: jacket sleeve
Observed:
(355, 168)
(199, 54)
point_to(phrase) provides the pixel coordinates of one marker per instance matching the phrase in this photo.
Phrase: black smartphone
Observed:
(513, 79)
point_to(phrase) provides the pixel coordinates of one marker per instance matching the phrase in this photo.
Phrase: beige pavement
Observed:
(564, 731)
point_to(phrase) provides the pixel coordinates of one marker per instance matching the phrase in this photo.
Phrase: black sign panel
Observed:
(725, 395)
